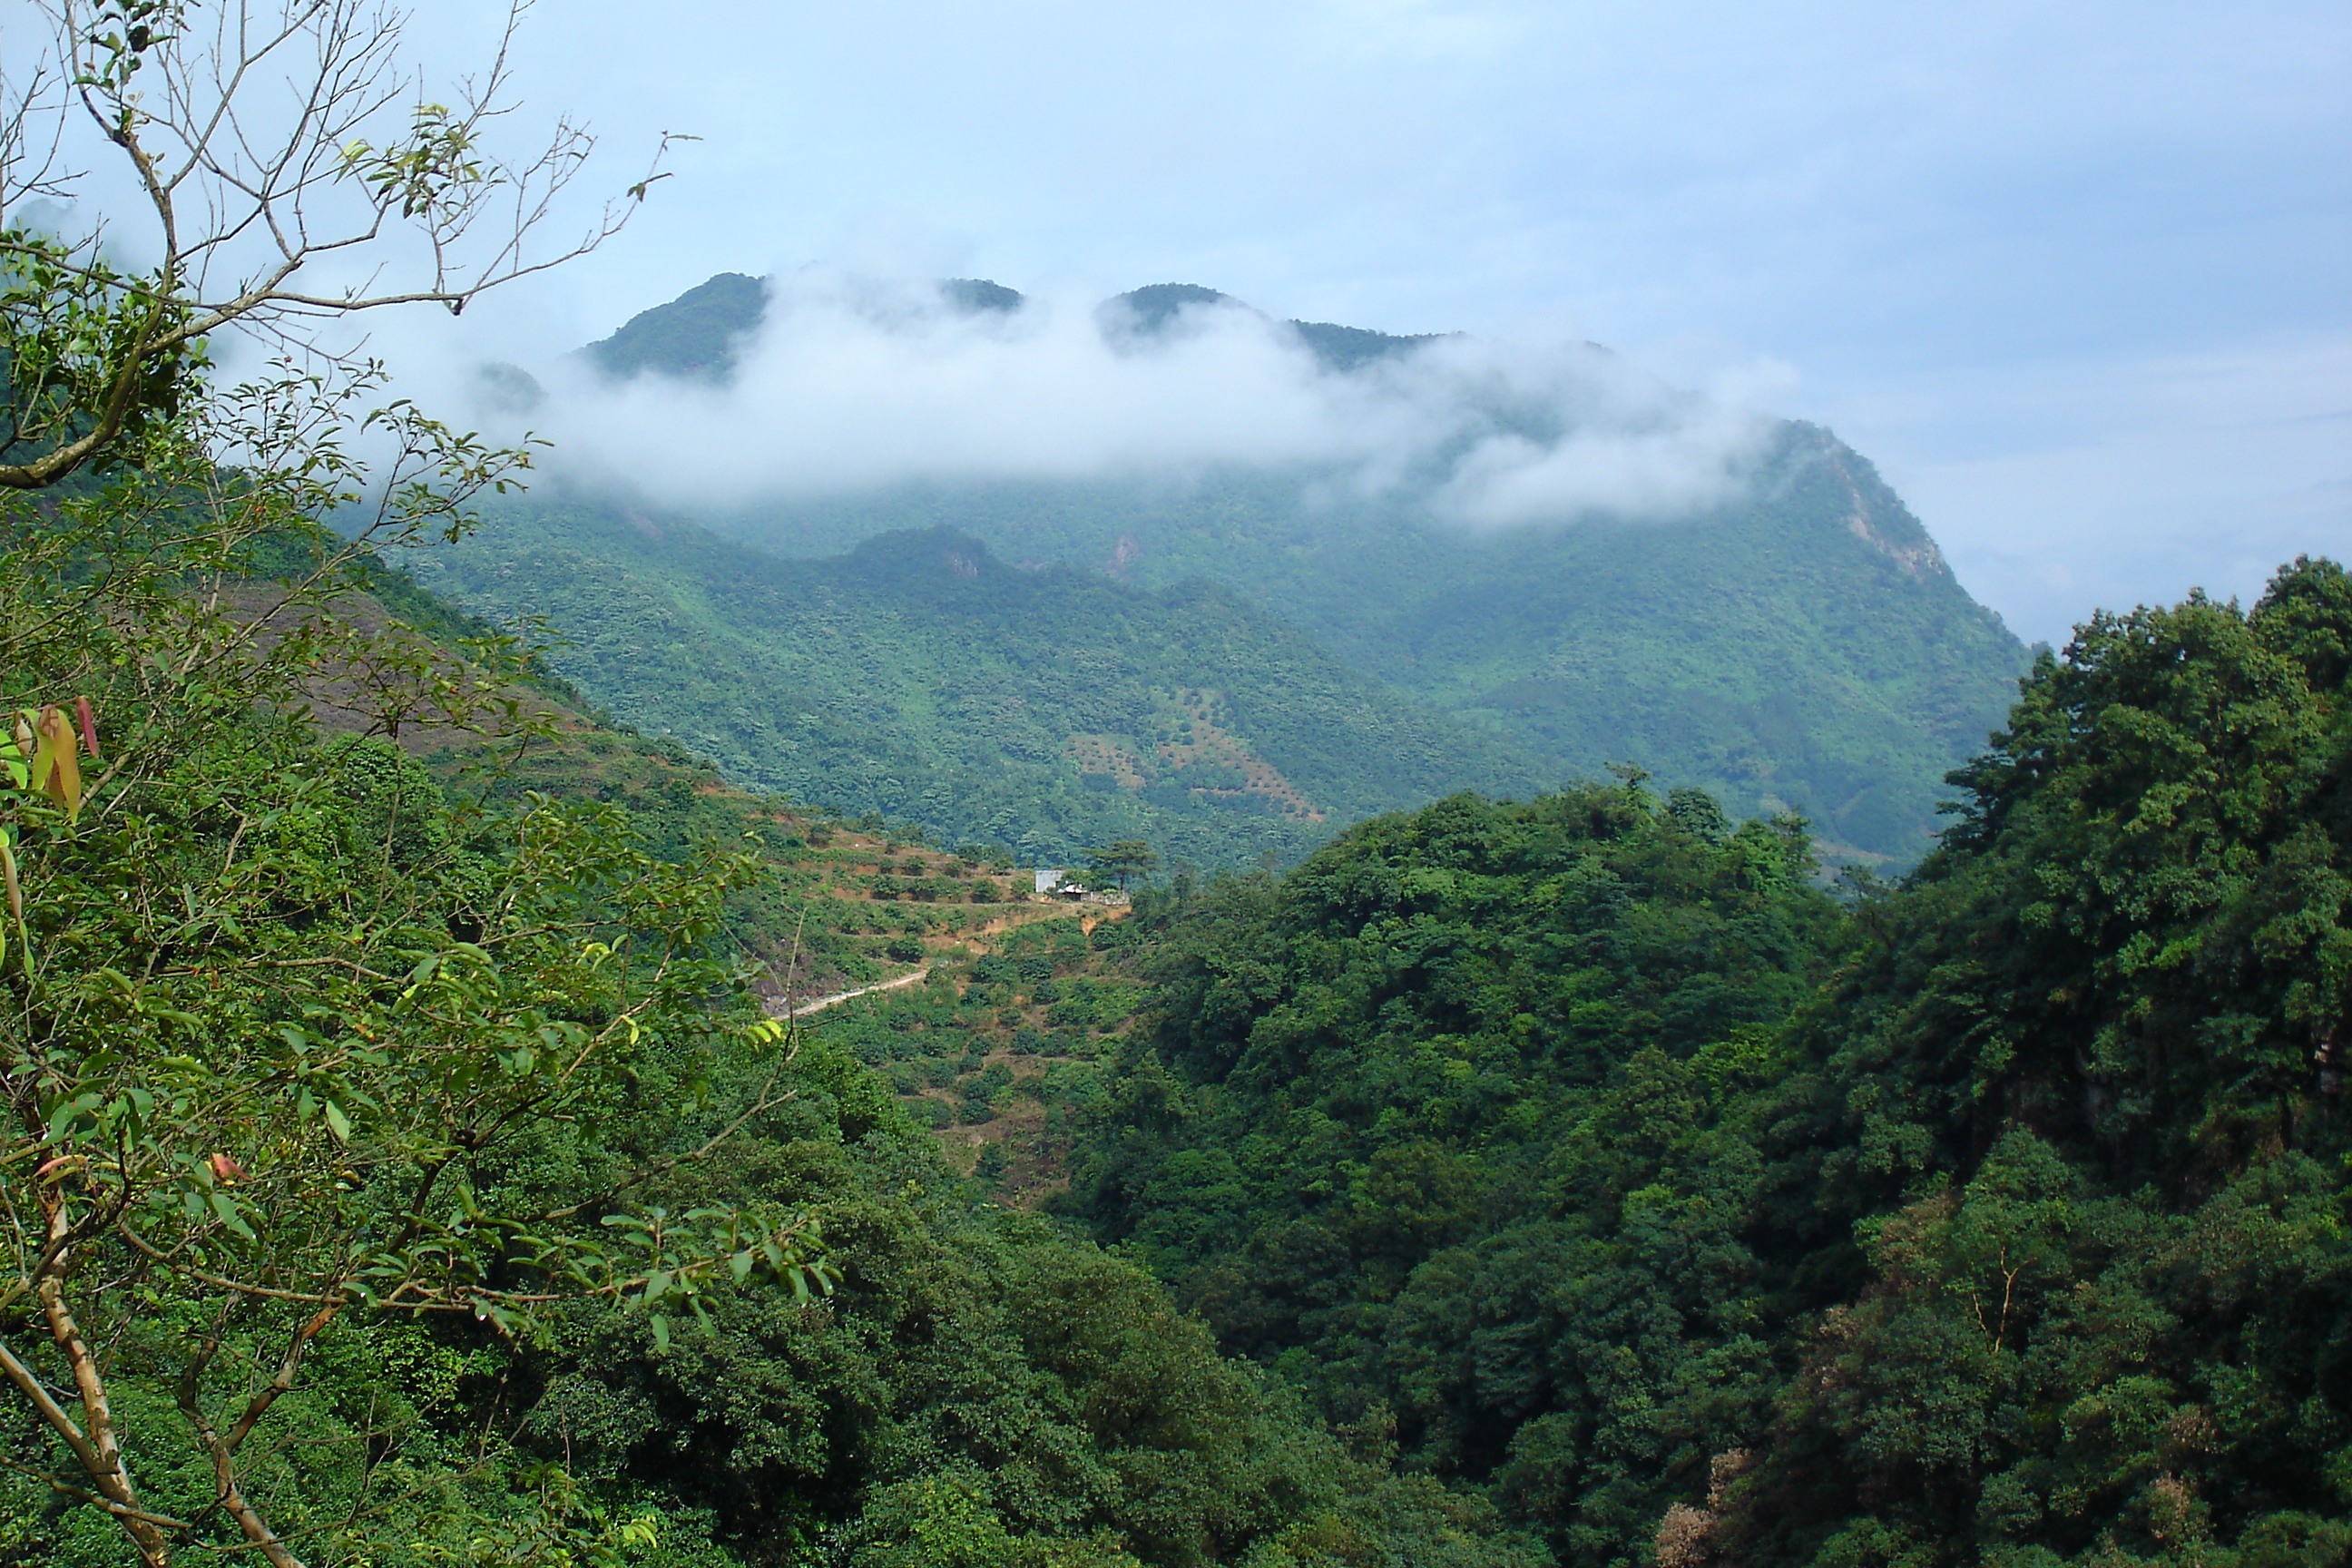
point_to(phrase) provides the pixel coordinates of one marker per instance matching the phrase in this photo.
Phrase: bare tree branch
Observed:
(269, 141)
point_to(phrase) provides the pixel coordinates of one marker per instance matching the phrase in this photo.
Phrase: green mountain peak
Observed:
(695, 336)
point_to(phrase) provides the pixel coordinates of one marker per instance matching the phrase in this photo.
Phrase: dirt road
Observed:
(1087, 920)
(779, 1008)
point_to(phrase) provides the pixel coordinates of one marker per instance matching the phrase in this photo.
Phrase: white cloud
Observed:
(860, 380)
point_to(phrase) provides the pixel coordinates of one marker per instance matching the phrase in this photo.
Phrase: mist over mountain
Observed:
(1562, 562)
(831, 382)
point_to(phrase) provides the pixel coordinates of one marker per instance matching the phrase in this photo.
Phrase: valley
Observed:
(1514, 1128)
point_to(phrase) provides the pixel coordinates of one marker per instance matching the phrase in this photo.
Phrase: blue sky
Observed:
(2075, 277)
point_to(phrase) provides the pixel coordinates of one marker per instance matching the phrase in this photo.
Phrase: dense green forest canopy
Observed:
(1995, 1217)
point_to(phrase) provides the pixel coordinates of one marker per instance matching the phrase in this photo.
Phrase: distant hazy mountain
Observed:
(1801, 645)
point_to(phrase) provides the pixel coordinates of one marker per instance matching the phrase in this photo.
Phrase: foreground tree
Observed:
(276, 1022)
(277, 1025)
(2078, 1107)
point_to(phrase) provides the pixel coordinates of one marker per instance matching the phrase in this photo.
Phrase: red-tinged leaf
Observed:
(88, 724)
(225, 1170)
(56, 772)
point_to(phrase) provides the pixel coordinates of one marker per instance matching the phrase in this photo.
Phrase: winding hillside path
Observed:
(779, 1008)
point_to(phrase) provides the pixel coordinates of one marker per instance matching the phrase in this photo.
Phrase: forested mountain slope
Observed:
(1807, 650)
(1799, 645)
(920, 677)
(423, 1150)
(2002, 1220)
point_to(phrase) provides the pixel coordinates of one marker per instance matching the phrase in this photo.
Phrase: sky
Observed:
(2074, 276)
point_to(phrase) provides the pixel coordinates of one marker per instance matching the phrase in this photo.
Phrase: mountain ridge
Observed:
(1798, 642)
(1805, 651)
